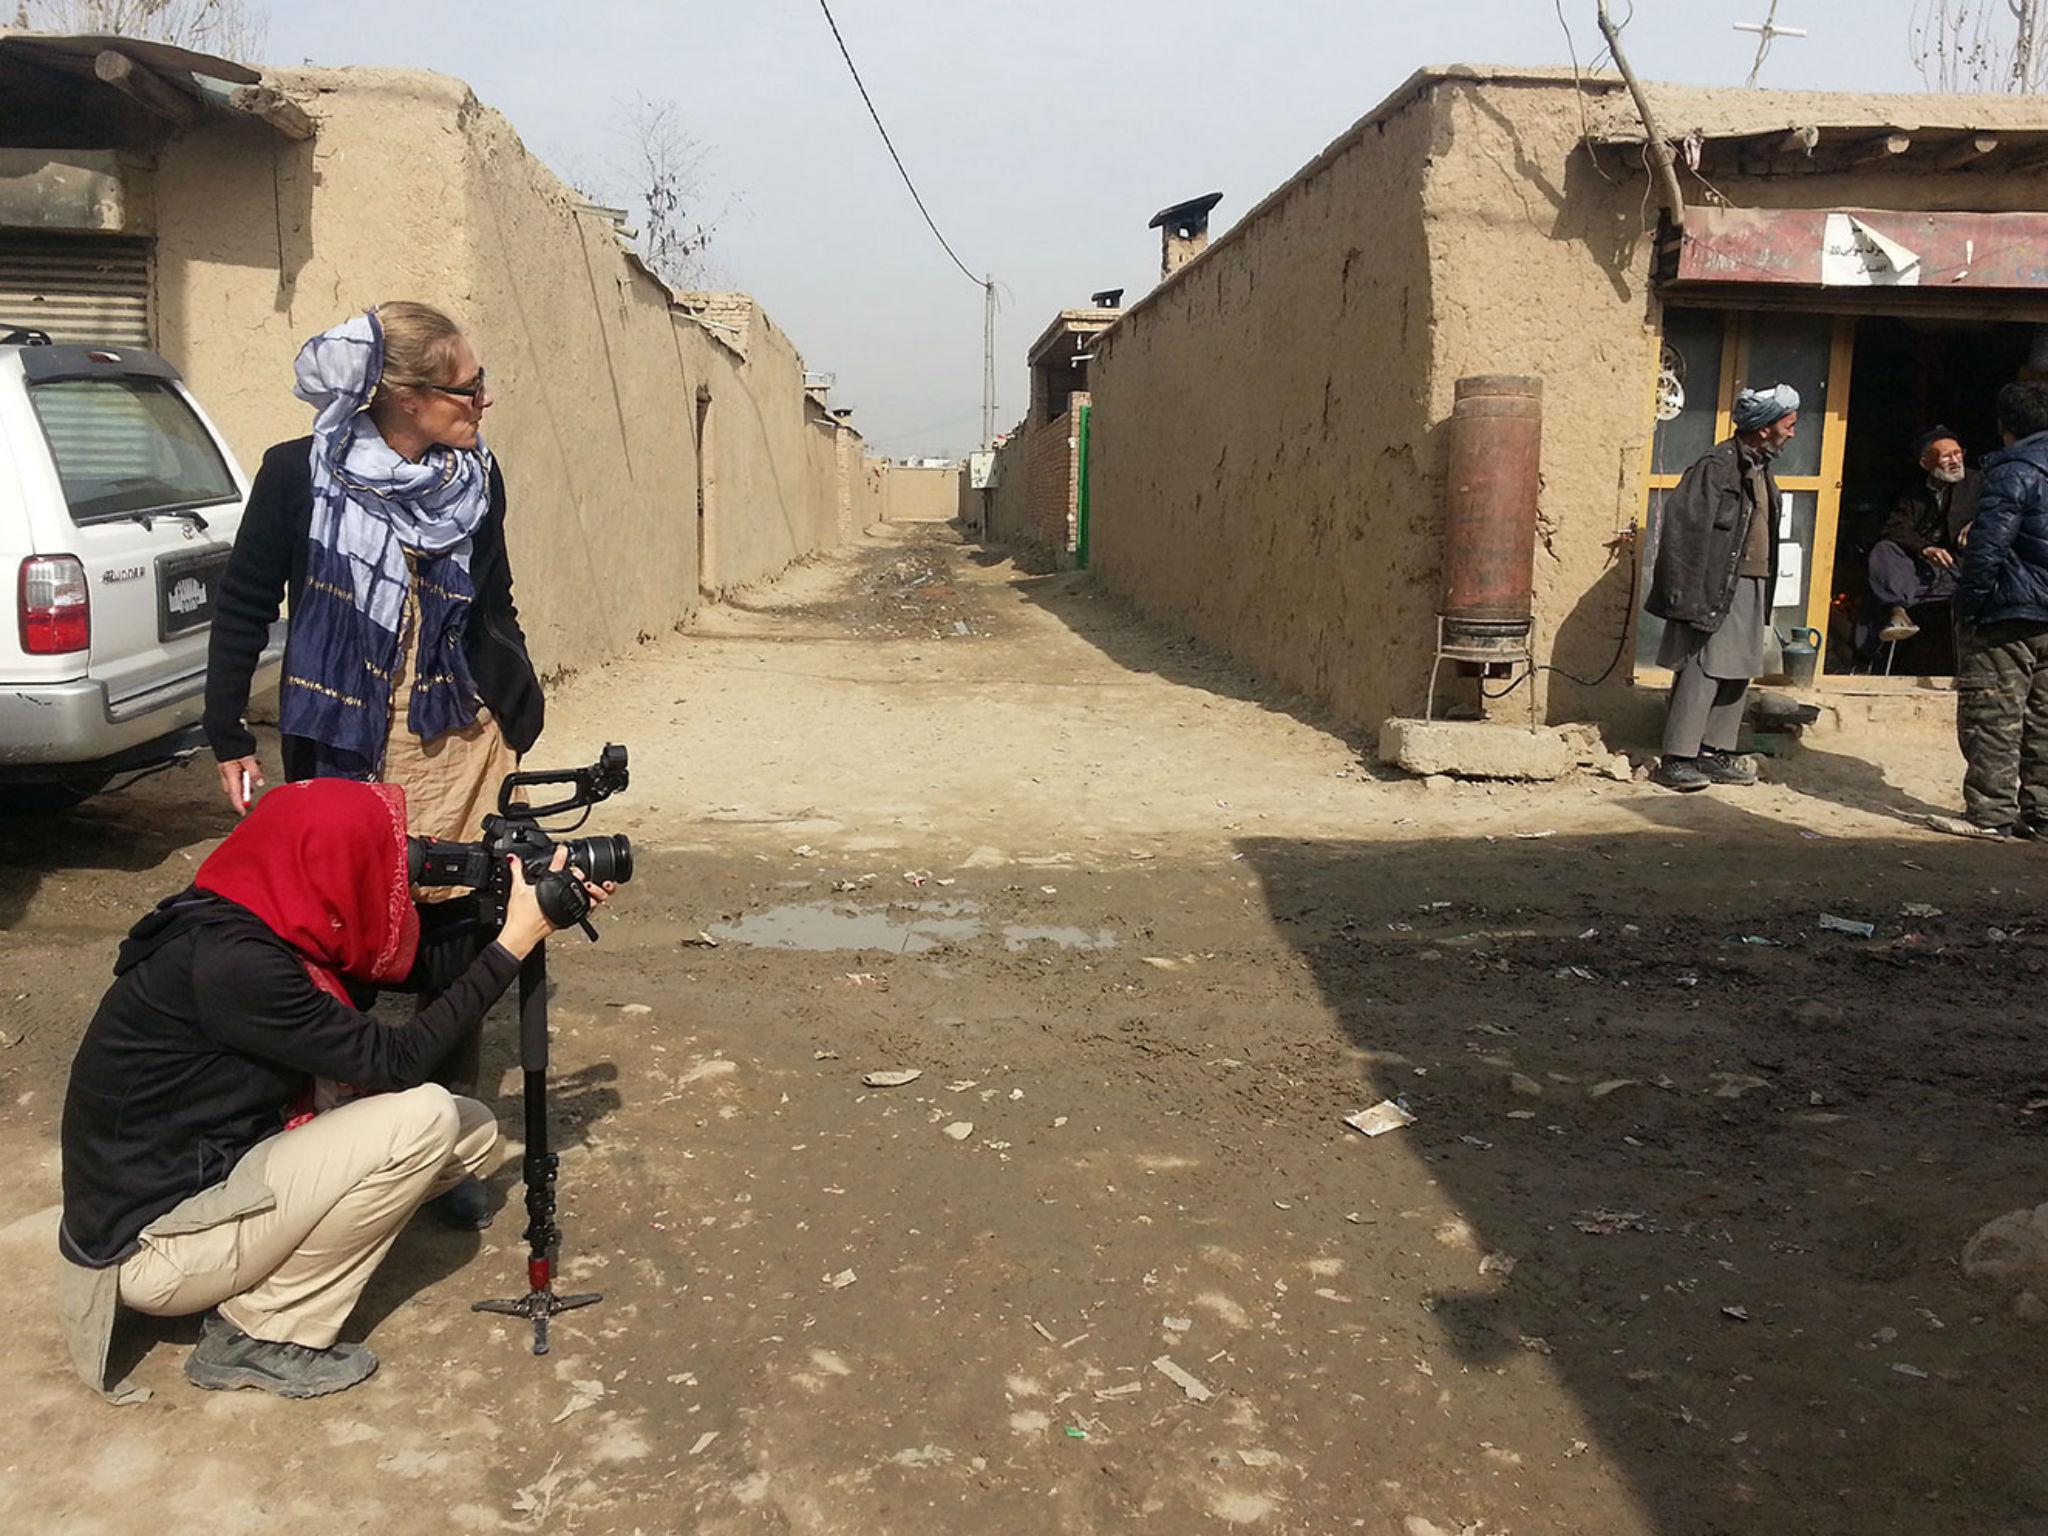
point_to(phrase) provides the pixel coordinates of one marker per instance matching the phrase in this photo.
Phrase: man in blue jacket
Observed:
(2002, 632)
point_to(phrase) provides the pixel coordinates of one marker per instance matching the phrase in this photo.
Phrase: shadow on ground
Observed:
(131, 832)
(1110, 624)
(1854, 782)
(1733, 1157)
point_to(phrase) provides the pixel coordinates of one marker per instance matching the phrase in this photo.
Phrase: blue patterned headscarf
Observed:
(370, 507)
(1756, 409)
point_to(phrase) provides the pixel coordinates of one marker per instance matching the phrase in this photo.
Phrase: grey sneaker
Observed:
(1683, 774)
(1899, 626)
(226, 1358)
(1726, 767)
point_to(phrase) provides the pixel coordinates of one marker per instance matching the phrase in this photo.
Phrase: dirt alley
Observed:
(1671, 1247)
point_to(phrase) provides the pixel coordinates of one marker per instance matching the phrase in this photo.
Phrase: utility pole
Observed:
(1659, 147)
(1769, 32)
(988, 362)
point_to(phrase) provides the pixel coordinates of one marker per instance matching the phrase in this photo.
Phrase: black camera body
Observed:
(515, 833)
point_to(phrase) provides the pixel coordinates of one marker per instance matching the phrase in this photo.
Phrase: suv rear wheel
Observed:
(44, 799)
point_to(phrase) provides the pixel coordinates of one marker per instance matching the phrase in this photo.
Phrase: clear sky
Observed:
(1042, 133)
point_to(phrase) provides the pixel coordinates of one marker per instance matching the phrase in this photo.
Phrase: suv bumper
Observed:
(51, 729)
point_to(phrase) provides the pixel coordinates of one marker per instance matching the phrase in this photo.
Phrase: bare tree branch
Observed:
(666, 171)
(233, 29)
(1980, 45)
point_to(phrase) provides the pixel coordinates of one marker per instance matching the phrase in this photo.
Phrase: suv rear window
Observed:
(128, 445)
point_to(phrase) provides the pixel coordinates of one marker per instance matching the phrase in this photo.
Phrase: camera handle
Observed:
(541, 1302)
(600, 781)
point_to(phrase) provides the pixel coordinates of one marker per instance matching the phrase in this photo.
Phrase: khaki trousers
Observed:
(345, 1182)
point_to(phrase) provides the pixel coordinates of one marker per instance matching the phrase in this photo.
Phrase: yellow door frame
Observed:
(1736, 336)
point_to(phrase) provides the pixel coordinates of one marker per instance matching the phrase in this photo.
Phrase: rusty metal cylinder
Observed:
(1489, 563)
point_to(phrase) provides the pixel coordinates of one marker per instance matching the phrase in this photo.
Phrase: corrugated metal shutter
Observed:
(79, 288)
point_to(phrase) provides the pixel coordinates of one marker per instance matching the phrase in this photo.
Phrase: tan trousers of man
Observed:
(345, 1182)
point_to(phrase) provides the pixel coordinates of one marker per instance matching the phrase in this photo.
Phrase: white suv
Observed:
(118, 504)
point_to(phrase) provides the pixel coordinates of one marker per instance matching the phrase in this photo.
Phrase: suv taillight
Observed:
(56, 606)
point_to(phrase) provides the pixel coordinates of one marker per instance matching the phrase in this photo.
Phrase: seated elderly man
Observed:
(1914, 559)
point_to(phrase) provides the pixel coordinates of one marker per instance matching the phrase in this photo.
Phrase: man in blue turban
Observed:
(1716, 562)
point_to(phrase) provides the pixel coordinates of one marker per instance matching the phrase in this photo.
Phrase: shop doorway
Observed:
(1705, 357)
(1869, 385)
(1909, 374)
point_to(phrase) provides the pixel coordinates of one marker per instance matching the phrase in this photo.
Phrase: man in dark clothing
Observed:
(1717, 559)
(1914, 559)
(2002, 632)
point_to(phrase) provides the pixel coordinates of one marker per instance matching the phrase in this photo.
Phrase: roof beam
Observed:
(145, 87)
(1965, 151)
(275, 108)
(1883, 147)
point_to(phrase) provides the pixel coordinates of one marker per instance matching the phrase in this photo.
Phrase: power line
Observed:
(890, 146)
(950, 421)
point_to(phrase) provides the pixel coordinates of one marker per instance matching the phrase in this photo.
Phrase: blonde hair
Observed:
(419, 343)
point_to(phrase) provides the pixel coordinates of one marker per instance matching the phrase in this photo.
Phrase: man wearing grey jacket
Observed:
(1717, 560)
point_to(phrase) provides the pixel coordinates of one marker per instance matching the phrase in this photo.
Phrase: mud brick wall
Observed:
(413, 189)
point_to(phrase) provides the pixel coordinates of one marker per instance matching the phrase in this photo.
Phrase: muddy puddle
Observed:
(1018, 937)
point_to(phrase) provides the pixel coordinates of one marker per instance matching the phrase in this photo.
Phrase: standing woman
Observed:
(404, 661)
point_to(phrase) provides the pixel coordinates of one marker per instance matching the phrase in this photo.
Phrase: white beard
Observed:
(1948, 476)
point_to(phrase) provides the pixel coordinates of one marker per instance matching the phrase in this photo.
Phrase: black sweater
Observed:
(210, 1033)
(269, 560)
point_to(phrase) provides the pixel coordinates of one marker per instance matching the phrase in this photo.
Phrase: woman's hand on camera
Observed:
(525, 924)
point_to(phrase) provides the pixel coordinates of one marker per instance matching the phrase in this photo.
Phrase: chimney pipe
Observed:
(1183, 232)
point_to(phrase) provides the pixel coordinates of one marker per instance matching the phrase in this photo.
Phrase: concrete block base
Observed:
(1477, 749)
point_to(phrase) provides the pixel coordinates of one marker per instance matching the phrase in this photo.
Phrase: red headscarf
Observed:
(323, 864)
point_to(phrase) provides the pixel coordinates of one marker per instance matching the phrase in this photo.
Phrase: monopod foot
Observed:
(539, 1305)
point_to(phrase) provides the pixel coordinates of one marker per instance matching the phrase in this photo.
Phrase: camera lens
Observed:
(602, 858)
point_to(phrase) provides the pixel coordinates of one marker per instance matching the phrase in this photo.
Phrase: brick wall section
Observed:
(849, 460)
(1051, 460)
(730, 315)
(1035, 501)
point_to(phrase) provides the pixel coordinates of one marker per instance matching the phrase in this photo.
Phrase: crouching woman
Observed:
(195, 1180)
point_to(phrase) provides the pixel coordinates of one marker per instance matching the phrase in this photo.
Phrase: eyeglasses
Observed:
(467, 391)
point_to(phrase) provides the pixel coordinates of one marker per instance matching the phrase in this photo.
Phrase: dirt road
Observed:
(1671, 1246)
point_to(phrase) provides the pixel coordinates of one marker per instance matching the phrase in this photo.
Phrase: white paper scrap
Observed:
(1383, 1117)
(1195, 1390)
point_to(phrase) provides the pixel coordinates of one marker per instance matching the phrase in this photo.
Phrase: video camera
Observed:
(515, 833)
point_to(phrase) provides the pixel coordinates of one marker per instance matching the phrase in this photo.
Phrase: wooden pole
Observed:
(141, 86)
(1660, 152)
(988, 362)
